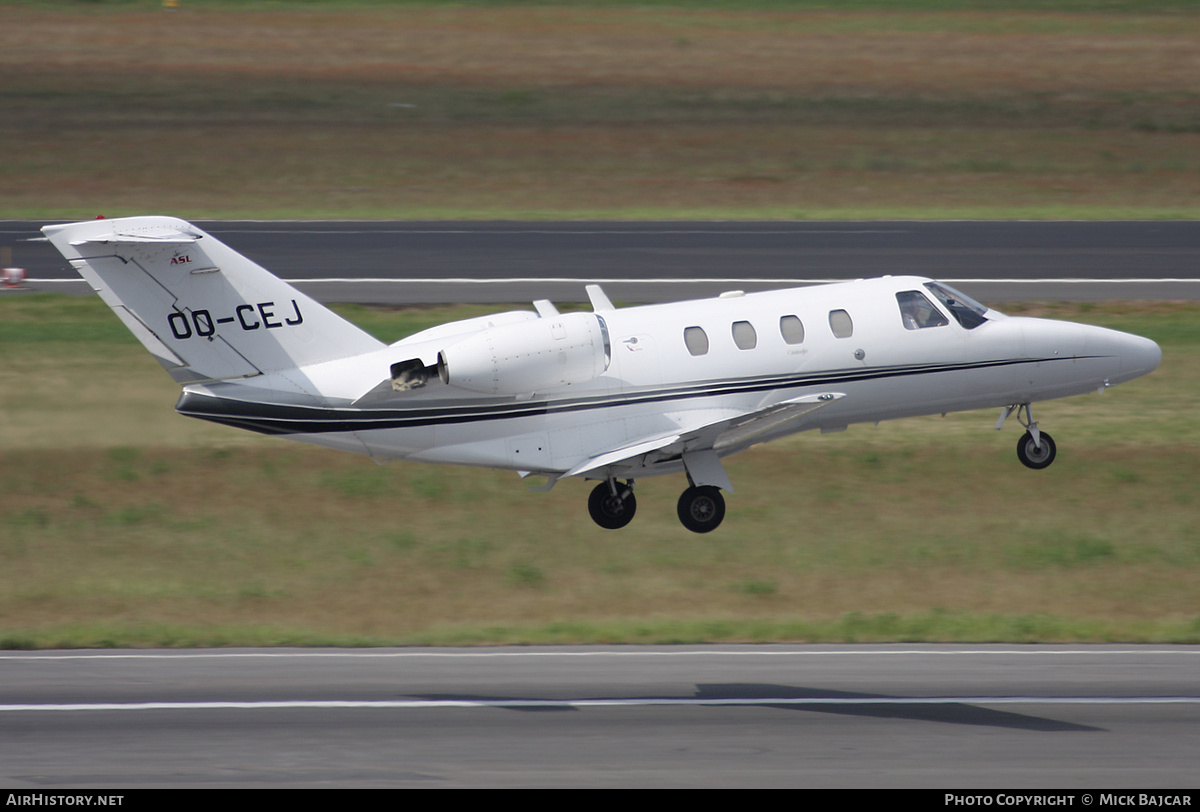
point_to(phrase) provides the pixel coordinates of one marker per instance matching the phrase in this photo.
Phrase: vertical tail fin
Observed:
(203, 310)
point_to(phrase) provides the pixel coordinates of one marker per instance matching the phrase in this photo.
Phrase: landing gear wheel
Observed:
(701, 509)
(1031, 455)
(612, 511)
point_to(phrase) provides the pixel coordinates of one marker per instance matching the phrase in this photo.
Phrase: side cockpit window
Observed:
(917, 312)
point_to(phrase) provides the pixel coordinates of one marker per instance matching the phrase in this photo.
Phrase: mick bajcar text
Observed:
(1085, 799)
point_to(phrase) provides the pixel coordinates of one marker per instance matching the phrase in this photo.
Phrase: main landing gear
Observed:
(701, 508)
(612, 505)
(1036, 448)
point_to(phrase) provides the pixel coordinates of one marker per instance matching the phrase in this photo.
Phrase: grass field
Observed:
(122, 523)
(600, 109)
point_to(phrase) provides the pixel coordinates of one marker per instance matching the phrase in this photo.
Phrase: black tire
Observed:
(1034, 457)
(701, 509)
(612, 512)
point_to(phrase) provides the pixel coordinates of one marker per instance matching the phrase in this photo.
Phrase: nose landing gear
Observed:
(1036, 448)
(1033, 455)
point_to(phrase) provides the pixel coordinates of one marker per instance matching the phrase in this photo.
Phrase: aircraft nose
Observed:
(1138, 356)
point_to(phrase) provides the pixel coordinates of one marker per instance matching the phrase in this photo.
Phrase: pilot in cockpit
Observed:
(917, 312)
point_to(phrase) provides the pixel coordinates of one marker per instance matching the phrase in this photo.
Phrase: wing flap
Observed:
(744, 429)
(621, 454)
(716, 436)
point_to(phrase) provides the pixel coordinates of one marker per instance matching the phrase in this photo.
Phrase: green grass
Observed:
(746, 110)
(1138, 7)
(124, 524)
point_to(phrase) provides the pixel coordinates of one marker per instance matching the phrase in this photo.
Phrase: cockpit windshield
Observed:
(968, 312)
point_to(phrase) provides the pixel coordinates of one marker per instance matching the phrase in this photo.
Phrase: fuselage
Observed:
(612, 394)
(889, 348)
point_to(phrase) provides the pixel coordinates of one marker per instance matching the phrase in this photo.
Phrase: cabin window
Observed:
(696, 340)
(792, 329)
(841, 324)
(744, 335)
(917, 312)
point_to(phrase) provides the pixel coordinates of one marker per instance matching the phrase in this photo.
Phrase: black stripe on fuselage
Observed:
(277, 418)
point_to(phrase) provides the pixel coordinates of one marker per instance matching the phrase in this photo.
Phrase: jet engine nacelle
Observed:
(516, 359)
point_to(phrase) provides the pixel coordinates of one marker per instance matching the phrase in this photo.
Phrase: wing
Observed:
(700, 447)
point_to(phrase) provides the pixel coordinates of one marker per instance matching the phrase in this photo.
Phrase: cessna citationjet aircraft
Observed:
(611, 395)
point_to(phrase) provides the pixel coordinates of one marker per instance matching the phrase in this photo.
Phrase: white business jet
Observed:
(611, 395)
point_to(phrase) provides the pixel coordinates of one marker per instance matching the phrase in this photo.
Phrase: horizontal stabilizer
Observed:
(174, 237)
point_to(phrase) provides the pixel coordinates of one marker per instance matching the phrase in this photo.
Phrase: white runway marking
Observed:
(731, 280)
(421, 704)
(491, 653)
(552, 231)
(741, 280)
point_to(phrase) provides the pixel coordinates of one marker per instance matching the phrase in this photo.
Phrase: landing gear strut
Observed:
(1036, 448)
(702, 508)
(612, 504)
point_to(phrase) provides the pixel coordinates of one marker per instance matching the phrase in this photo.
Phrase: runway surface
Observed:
(1065, 717)
(428, 262)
